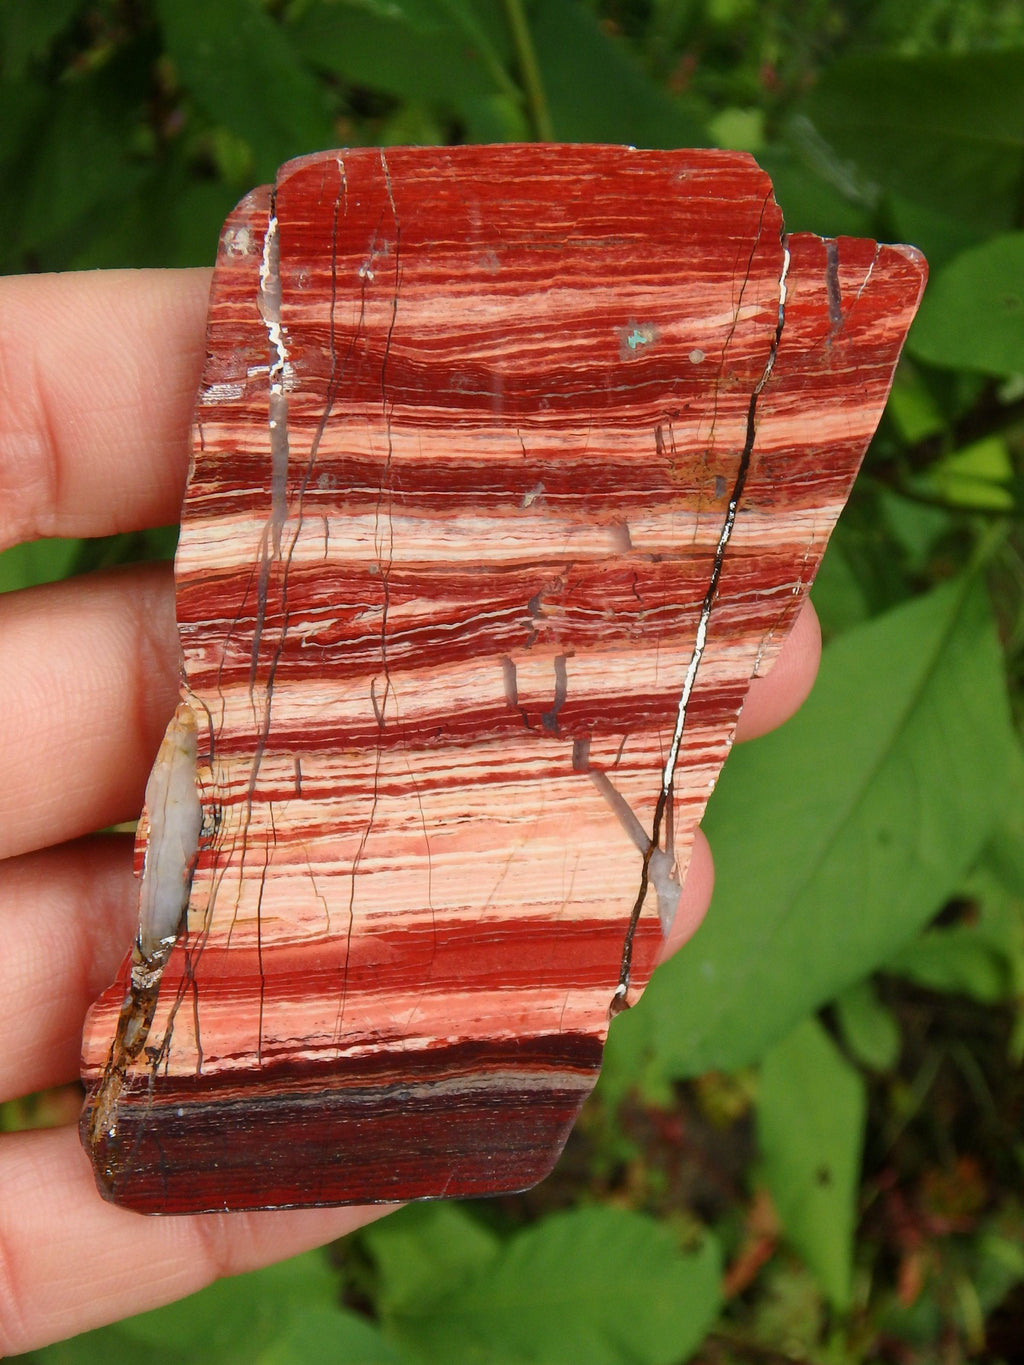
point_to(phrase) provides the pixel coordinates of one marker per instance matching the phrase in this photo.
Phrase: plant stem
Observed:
(530, 71)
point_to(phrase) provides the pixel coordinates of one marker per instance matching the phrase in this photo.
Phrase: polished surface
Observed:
(512, 466)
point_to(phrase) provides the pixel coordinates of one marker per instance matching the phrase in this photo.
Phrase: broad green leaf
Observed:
(232, 1318)
(946, 131)
(425, 1251)
(108, 1346)
(597, 92)
(433, 51)
(811, 1112)
(972, 315)
(983, 956)
(322, 1336)
(839, 836)
(600, 1285)
(229, 1323)
(239, 66)
(869, 1029)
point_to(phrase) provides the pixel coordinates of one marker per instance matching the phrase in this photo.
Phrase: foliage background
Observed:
(804, 1145)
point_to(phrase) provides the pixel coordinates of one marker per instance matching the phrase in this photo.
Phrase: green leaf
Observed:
(229, 1323)
(432, 51)
(939, 234)
(810, 1127)
(972, 315)
(946, 131)
(912, 407)
(331, 1337)
(979, 475)
(1000, 1262)
(809, 202)
(838, 837)
(232, 1317)
(425, 1251)
(915, 527)
(171, 220)
(838, 592)
(80, 159)
(37, 561)
(957, 960)
(597, 92)
(26, 31)
(869, 1029)
(240, 67)
(600, 1285)
(738, 130)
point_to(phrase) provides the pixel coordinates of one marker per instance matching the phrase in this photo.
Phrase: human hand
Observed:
(98, 374)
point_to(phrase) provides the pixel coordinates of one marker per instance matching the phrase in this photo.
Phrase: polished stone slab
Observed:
(511, 467)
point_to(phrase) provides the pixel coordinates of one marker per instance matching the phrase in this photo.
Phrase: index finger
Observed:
(98, 376)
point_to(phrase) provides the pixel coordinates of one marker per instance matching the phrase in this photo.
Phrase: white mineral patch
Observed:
(175, 819)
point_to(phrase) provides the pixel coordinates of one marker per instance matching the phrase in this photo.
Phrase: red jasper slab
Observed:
(511, 466)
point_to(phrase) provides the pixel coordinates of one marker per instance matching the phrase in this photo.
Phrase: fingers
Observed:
(773, 698)
(69, 1261)
(88, 680)
(49, 1208)
(67, 918)
(98, 375)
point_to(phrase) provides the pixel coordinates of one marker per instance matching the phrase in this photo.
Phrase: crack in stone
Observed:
(833, 290)
(269, 299)
(652, 869)
(549, 719)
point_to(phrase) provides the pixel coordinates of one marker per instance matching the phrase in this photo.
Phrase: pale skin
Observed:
(98, 372)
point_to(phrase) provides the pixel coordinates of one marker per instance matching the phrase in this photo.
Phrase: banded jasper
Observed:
(512, 465)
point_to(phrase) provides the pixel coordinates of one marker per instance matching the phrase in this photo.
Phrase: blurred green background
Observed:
(805, 1145)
